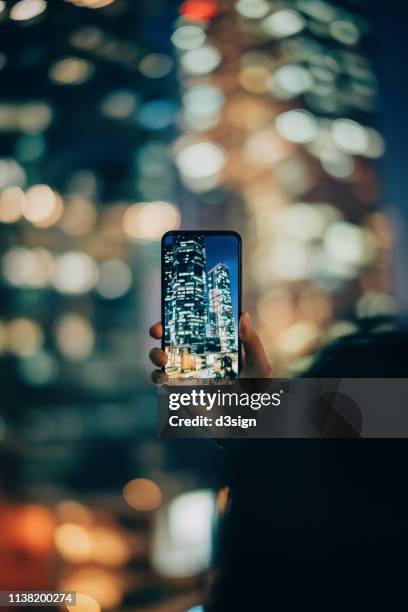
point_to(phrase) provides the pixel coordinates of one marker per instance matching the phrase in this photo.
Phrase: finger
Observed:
(159, 377)
(156, 330)
(256, 362)
(158, 357)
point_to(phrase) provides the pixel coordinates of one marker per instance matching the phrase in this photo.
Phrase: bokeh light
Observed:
(285, 22)
(27, 9)
(297, 126)
(149, 221)
(24, 337)
(42, 206)
(75, 336)
(200, 165)
(12, 200)
(188, 37)
(199, 10)
(73, 542)
(84, 603)
(71, 71)
(75, 273)
(156, 65)
(201, 61)
(115, 279)
(142, 494)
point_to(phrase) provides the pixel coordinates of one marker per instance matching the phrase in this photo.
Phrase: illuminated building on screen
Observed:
(221, 316)
(185, 300)
(198, 304)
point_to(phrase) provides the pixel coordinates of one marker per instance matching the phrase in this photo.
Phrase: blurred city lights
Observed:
(92, 4)
(79, 216)
(23, 267)
(284, 22)
(344, 31)
(254, 78)
(266, 148)
(199, 10)
(119, 104)
(291, 260)
(374, 304)
(88, 38)
(42, 206)
(203, 104)
(297, 126)
(27, 9)
(40, 368)
(75, 336)
(115, 279)
(318, 9)
(156, 65)
(11, 173)
(24, 337)
(204, 99)
(30, 147)
(349, 136)
(200, 165)
(347, 243)
(290, 81)
(73, 542)
(375, 144)
(71, 71)
(336, 163)
(303, 221)
(158, 114)
(201, 61)
(100, 585)
(72, 511)
(84, 603)
(149, 221)
(188, 37)
(34, 117)
(142, 494)
(75, 273)
(253, 9)
(299, 337)
(12, 200)
(109, 547)
(182, 537)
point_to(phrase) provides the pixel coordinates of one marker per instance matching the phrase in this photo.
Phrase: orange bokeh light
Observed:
(199, 10)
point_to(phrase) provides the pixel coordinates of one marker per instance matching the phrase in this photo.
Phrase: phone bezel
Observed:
(204, 233)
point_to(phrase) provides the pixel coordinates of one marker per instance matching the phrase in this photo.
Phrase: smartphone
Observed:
(201, 304)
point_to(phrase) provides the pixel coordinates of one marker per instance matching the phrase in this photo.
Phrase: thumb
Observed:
(256, 362)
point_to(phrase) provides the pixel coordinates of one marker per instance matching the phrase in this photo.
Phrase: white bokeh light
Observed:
(75, 273)
(297, 126)
(349, 136)
(285, 22)
(201, 61)
(188, 37)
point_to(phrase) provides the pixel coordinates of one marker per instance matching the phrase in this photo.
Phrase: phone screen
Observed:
(201, 304)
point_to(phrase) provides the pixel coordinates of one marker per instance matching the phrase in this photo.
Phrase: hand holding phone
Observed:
(254, 360)
(201, 304)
